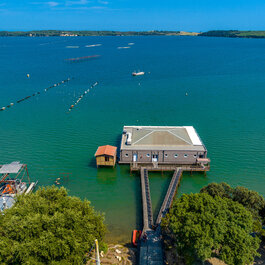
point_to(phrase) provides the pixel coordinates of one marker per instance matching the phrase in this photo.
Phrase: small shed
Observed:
(106, 155)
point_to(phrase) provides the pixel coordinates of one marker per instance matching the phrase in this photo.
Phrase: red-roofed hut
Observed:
(106, 155)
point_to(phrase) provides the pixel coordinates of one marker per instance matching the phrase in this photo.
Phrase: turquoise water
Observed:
(225, 82)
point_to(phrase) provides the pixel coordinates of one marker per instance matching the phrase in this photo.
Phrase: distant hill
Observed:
(64, 33)
(233, 34)
(70, 33)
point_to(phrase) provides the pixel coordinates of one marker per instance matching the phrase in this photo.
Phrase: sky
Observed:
(185, 15)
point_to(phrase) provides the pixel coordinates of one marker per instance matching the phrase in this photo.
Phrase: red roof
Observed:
(106, 150)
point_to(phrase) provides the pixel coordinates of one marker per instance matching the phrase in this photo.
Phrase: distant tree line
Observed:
(220, 221)
(54, 33)
(233, 34)
(51, 33)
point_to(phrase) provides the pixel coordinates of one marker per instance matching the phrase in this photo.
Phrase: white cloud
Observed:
(103, 2)
(80, 2)
(98, 7)
(52, 4)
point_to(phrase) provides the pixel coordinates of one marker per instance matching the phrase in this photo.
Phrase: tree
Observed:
(49, 227)
(250, 199)
(214, 189)
(203, 226)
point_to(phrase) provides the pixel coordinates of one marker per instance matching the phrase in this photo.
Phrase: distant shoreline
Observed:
(72, 33)
(66, 33)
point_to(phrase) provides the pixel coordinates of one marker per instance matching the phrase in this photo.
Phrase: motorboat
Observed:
(12, 183)
(137, 73)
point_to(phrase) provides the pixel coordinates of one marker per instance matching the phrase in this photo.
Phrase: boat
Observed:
(136, 237)
(12, 183)
(137, 73)
(93, 45)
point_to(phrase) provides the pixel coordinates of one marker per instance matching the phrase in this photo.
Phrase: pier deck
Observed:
(172, 189)
(146, 201)
(168, 167)
(150, 250)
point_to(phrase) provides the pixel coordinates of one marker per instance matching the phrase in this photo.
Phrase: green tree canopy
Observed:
(49, 227)
(203, 226)
(250, 199)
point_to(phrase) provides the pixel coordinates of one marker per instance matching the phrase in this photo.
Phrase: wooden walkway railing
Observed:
(146, 201)
(172, 189)
(168, 167)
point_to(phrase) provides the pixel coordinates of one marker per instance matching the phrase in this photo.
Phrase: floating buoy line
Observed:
(82, 96)
(83, 58)
(36, 93)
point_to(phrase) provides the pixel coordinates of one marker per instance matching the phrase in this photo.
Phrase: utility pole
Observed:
(97, 253)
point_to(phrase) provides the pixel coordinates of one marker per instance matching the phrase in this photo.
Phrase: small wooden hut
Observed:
(106, 155)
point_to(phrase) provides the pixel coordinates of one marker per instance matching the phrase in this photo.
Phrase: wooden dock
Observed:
(150, 249)
(146, 201)
(172, 189)
(168, 167)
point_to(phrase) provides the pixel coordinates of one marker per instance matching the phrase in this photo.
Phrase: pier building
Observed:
(163, 147)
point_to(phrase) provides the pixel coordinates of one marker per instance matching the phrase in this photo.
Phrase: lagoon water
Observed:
(225, 82)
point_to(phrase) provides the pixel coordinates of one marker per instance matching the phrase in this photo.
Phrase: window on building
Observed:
(107, 158)
(185, 155)
(194, 156)
(176, 155)
(200, 156)
(148, 155)
(165, 155)
(126, 155)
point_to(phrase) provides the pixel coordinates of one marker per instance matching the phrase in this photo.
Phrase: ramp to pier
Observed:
(146, 201)
(172, 189)
(150, 249)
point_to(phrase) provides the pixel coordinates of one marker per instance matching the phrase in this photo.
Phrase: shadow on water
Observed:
(118, 144)
(107, 175)
(92, 162)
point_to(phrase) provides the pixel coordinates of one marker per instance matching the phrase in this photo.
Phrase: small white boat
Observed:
(93, 45)
(137, 73)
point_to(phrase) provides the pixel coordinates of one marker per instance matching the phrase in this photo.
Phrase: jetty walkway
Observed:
(172, 189)
(150, 247)
(146, 201)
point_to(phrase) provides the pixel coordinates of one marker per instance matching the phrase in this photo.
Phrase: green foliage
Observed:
(203, 226)
(234, 34)
(251, 200)
(214, 189)
(49, 227)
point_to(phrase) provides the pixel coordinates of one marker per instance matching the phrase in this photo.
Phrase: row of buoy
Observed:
(37, 93)
(81, 97)
(57, 84)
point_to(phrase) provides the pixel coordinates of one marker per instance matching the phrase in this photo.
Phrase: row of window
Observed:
(176, 155)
